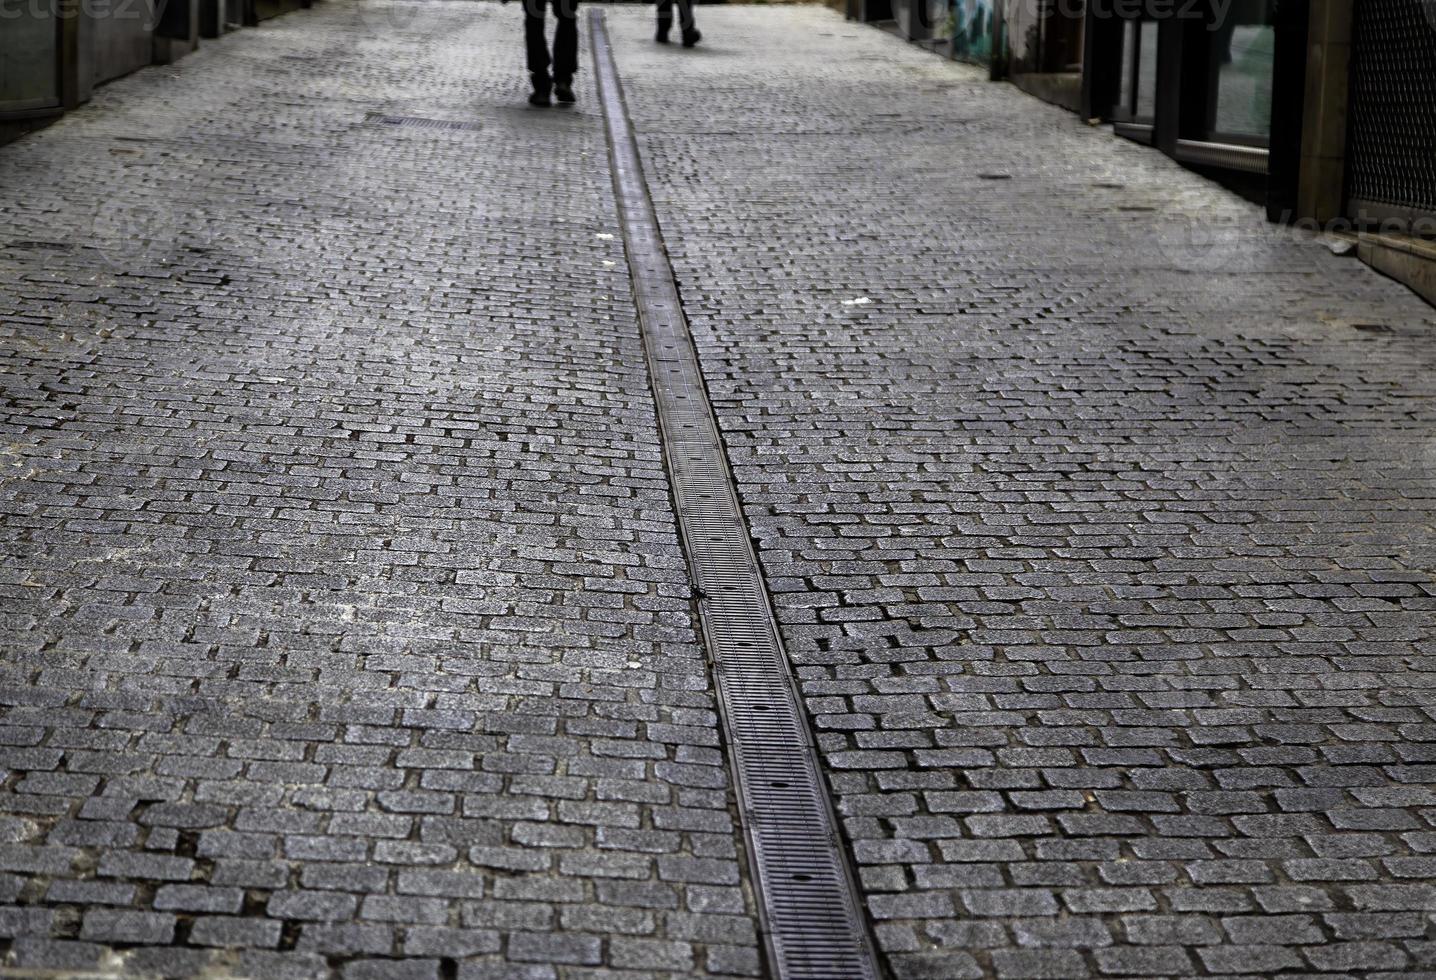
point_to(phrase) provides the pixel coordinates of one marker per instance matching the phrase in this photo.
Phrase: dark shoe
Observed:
(563, 91)
(664, 26)
(539, 99)
(691, 37)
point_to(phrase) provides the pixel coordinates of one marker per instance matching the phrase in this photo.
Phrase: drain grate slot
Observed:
(810, 914)
(421, 122)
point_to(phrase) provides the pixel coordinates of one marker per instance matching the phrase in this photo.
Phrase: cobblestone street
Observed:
(347, 629)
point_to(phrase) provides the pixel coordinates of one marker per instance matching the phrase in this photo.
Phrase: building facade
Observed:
(1322, 110)
(54, 52)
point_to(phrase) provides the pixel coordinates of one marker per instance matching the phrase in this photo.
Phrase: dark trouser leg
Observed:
(565, 41)
(537, 45)
(685, 16)
(665, 18)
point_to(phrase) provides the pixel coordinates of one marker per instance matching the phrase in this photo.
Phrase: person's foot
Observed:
(691, 37)
(563, 91)
(539, 99)
(662, 36)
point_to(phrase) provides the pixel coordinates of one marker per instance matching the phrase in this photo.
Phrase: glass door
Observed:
(1135, 110)
(1243, 58)
(1227, 93)
(1200, 81)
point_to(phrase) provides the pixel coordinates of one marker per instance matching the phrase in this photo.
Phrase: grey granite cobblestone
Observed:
(346, 630)
(1098, 532)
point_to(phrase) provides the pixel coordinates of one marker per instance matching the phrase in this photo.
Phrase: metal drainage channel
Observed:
(421, 122)
(808, 907)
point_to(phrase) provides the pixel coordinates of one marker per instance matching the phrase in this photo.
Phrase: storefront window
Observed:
(1147, 70)
(1210, 105)
(1129, 63)
(1138, 89)
(1243, 52)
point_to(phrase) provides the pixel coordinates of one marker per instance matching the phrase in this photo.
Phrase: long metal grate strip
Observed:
(421, 122)
(810, 915)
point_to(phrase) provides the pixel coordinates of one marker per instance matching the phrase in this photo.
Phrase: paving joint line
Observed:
(809, 909)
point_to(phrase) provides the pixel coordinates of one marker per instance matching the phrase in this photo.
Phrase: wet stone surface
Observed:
(346, 631)
(1100, 535)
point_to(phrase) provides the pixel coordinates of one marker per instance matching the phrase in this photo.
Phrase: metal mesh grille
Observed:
(1392, 153)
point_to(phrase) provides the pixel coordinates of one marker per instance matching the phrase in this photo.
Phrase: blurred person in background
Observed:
(688, 31)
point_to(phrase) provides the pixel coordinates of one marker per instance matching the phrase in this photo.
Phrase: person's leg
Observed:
(565, 42)
(686, 24)
(537, 45)
(665, 20)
